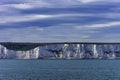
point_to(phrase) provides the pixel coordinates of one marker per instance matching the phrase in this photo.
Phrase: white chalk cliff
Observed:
(64, 51)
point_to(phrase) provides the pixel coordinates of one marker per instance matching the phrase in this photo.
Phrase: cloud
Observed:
(29, 4)
(19, 6)
(31, 17)
(57, 33)
(88, 1)
(109, 24)
(100, 25)
(66, 20)
(46, 34)
(22, 18)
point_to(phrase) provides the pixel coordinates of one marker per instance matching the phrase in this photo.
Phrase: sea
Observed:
(12, 69)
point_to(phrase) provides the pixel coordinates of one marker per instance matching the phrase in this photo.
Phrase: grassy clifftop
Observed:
(19, 46)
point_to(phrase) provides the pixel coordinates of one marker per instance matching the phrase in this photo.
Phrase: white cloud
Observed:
(20, 6)
(109, 24)
(100, 25)
(22, 18)
(90, 1)
(28, 4)
(35, 28)
(29, 17)
(87, 1)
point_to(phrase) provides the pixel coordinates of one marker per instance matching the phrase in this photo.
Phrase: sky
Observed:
(59, 21)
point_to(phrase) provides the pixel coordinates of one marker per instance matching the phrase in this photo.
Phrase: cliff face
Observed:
(11, 54)
(64, 51)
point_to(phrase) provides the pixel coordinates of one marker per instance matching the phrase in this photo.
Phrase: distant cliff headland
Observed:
(60, 50)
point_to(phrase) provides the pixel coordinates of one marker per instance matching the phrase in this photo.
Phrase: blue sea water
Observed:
(59, 69)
